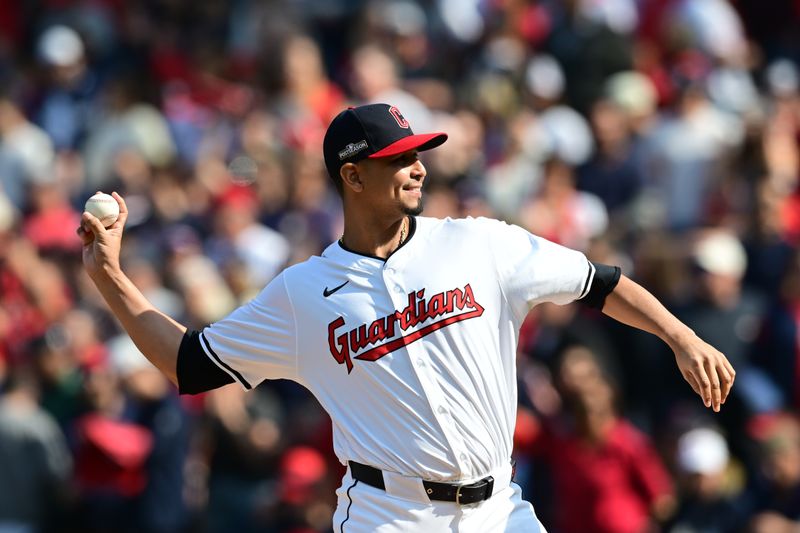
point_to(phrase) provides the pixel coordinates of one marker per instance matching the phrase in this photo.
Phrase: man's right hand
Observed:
(101, 246)
(155, 334)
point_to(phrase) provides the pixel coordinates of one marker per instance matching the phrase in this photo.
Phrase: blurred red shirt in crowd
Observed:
(608, 487)
(607, 476)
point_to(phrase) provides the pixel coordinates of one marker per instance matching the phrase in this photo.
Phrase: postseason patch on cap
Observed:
(352, 149)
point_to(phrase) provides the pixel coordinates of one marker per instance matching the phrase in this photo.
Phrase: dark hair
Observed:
(337, 179)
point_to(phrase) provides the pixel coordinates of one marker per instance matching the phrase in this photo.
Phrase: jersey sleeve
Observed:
(533, 270)
(258, 340)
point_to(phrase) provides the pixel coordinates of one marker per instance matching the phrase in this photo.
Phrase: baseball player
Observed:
(405, 330)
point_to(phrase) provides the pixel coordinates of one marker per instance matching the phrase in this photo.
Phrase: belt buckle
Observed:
(488, 486)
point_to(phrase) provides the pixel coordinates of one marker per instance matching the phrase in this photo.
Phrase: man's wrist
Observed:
(680, 336)
(108, 275)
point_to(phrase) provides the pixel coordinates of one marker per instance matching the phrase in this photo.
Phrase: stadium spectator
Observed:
(600, 462)
(707, 502)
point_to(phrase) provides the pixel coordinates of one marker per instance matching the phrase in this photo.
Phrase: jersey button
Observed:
(389, 271)
(463, 457)
(442, 410)
(398, 288)
(420, 362)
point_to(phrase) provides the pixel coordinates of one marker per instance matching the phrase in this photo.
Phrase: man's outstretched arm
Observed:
(706, 369)
(156, 335)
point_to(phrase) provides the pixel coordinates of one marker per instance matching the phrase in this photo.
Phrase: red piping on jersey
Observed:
(419, 309)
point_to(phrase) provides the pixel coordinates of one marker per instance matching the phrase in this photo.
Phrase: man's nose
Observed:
(418, 170)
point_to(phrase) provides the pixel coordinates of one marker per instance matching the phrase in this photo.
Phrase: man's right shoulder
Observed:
(309, 267)
(290, 283)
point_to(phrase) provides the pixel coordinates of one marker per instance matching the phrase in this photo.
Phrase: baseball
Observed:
(104, 207)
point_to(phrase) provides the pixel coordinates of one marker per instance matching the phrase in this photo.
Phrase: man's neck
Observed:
(377, 238)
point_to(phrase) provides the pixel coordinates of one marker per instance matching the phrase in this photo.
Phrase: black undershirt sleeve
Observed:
(195, 370)
(605, 279)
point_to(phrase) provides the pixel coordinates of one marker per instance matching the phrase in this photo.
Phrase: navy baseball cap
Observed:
(371, 131)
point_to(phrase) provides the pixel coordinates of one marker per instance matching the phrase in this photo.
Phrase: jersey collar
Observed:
(337, 250)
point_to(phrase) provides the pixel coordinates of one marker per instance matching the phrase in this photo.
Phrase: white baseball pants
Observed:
(404, 507)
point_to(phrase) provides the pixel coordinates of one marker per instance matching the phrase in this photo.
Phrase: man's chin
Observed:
(416, 210)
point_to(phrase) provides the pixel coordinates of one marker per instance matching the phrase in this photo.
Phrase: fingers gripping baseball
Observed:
(123, 212)
(101, 245)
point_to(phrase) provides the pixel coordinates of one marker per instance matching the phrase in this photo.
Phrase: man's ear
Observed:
(350, 177)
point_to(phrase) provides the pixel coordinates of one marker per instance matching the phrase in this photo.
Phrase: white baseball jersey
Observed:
(413, 357)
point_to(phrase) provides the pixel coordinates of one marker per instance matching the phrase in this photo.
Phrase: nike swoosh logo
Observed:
(327, 292)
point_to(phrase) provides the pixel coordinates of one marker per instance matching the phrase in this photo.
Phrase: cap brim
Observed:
(421, 142)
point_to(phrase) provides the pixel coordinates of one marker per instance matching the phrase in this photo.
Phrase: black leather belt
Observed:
(447, 492)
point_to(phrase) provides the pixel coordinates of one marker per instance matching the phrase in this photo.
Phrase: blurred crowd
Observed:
(659, 135)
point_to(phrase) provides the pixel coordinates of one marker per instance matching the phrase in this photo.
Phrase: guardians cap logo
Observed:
(449, 307)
